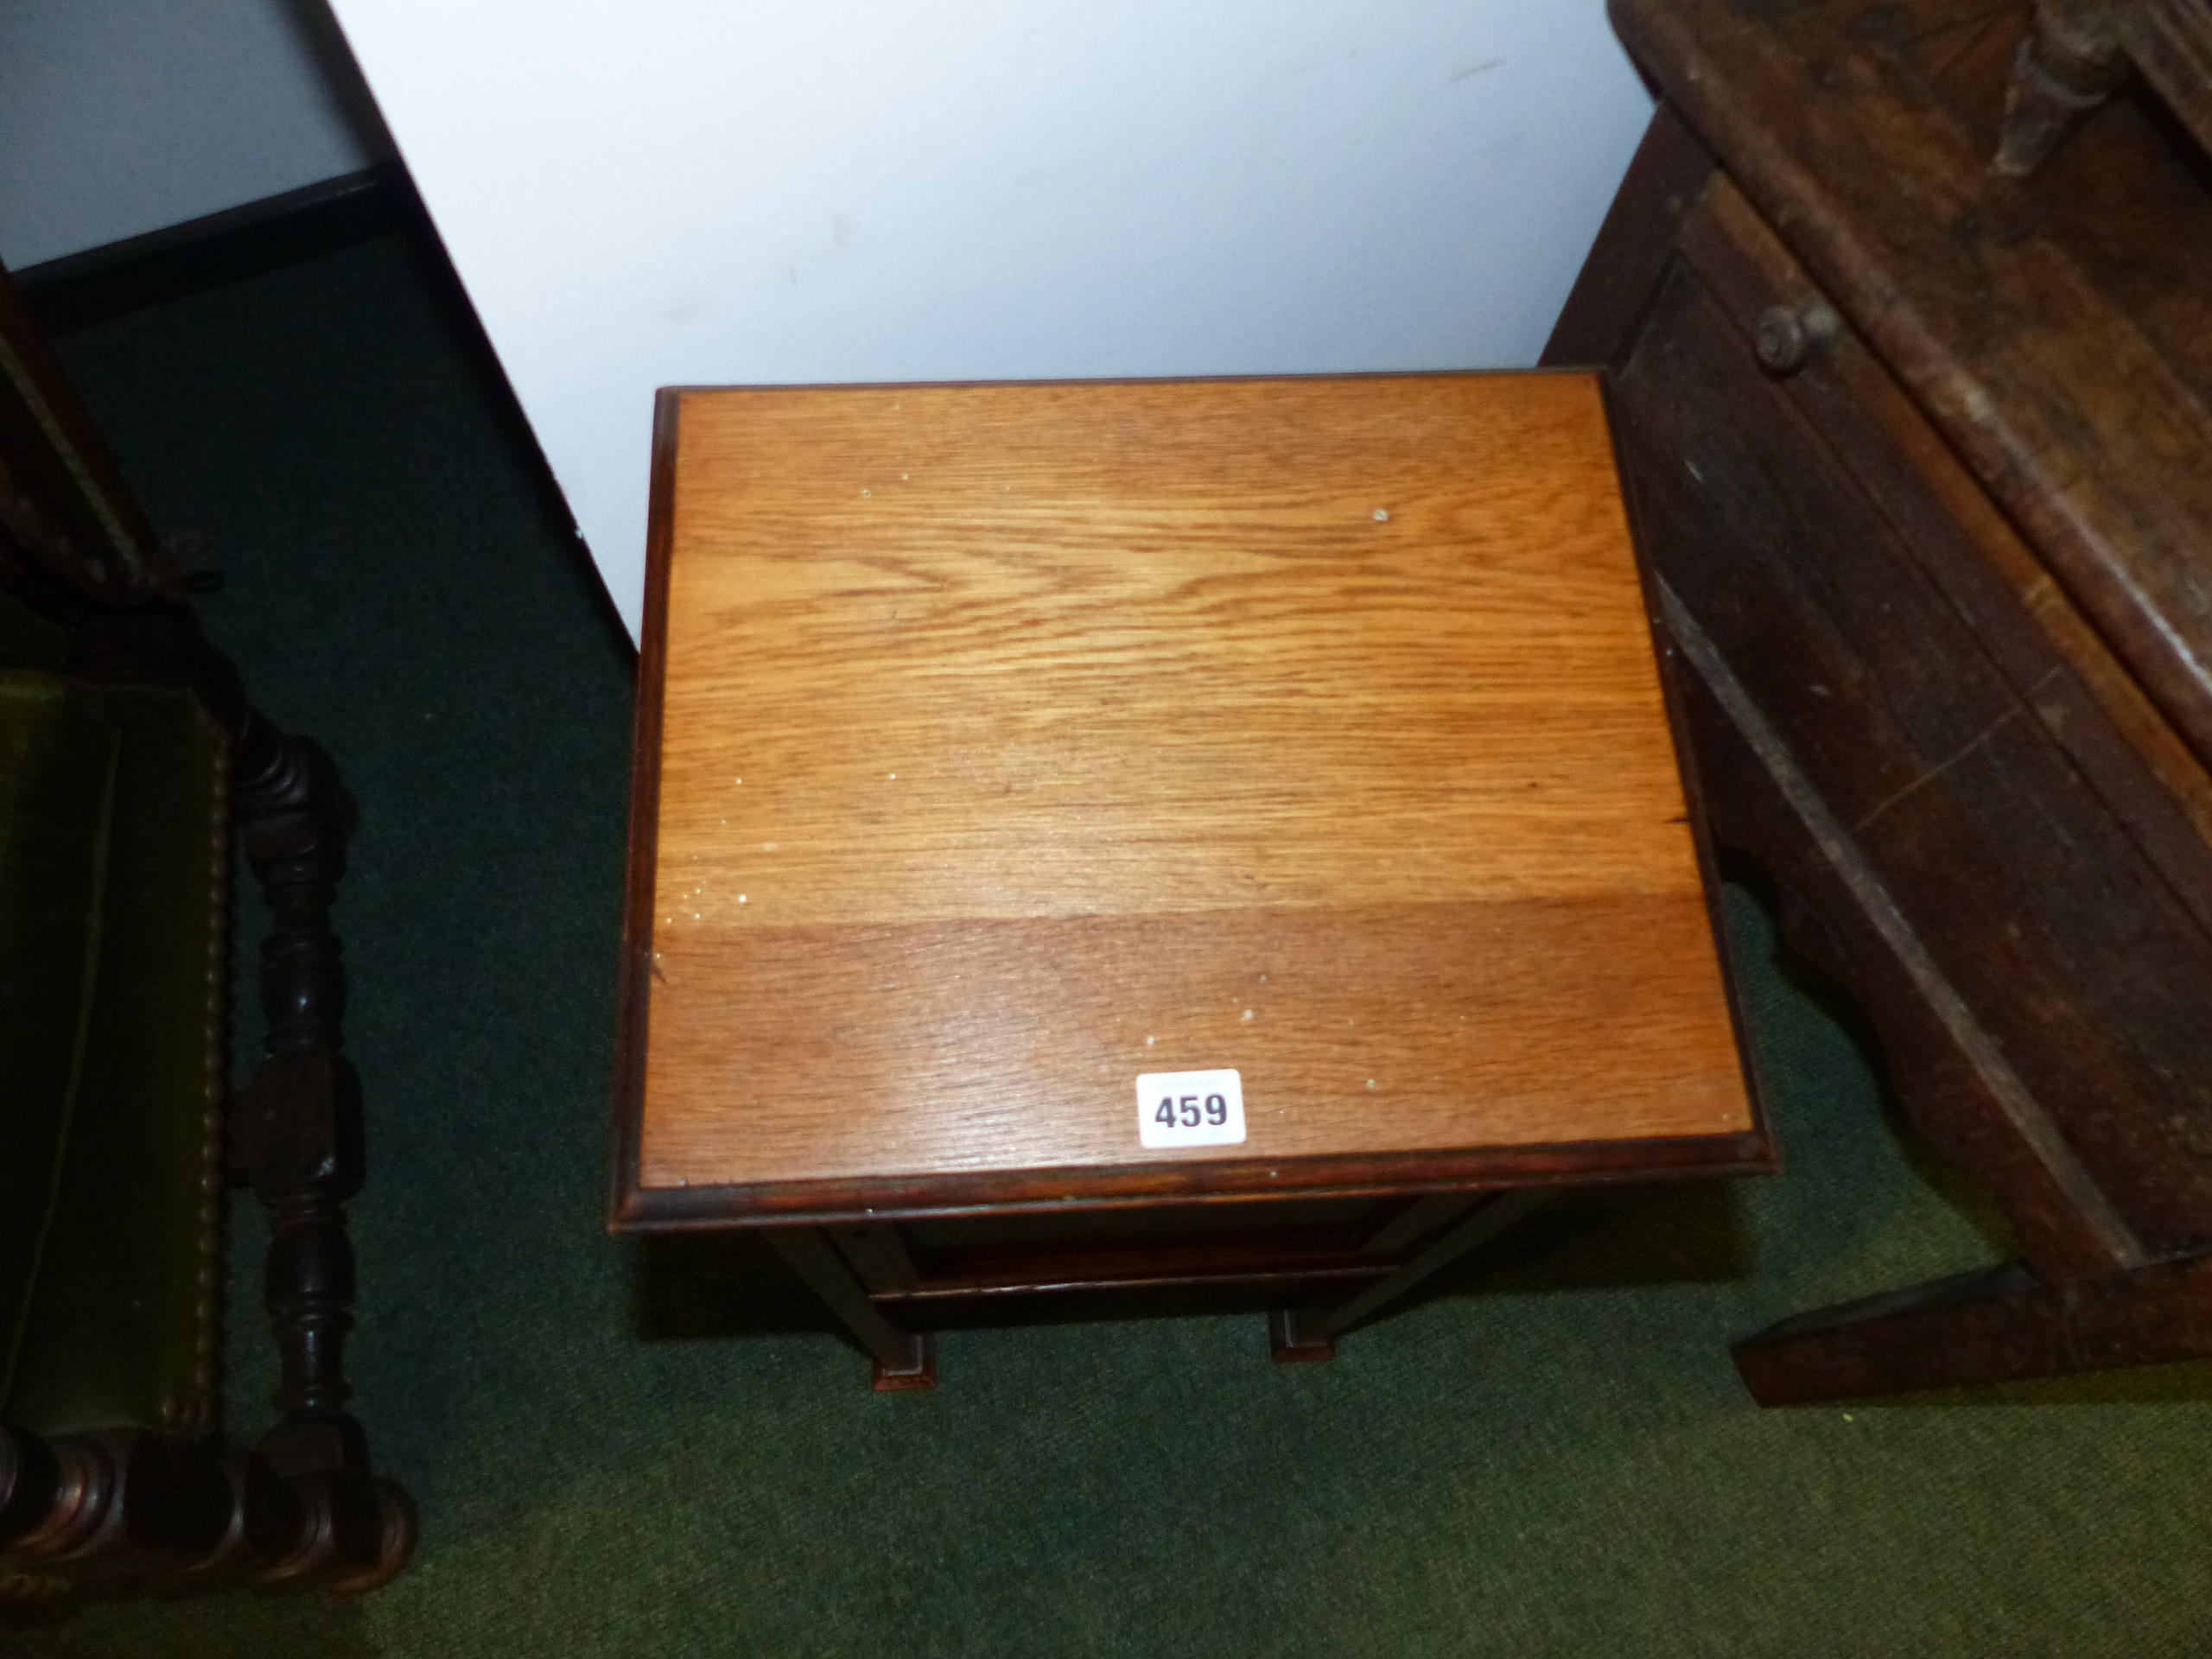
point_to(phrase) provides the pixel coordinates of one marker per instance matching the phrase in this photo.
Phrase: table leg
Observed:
(903, 1359)
(1997, 1324)
(878, 1256)
(1308, 1330)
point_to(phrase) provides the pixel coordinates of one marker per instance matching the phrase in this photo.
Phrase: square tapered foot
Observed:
(1288, 1344)
(919, 1370)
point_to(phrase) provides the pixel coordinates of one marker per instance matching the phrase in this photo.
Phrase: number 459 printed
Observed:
(1190, 1108)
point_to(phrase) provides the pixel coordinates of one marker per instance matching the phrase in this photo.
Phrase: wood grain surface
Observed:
(1925, 573)
(2057, 662)
(1018, 740)
(2084, 429)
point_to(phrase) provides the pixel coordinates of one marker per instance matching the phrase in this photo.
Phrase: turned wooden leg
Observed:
(2000, 1325)
(29, 1475)
(103, 1505)
(1309, 1330)
(2069, 63)
(296, 1139)
(903, 1359)
(304, 1506)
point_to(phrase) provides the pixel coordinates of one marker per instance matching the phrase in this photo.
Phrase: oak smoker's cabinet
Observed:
(1922, 461)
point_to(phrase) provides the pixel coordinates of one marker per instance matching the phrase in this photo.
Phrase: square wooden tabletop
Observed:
(999, 745)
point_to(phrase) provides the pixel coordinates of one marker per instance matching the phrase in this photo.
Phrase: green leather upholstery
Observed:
(57, 779)
(113, 883)
(27, 639)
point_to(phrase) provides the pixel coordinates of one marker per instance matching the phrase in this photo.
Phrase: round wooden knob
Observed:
(1780, 338)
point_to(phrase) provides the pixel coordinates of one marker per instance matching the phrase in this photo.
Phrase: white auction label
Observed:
(1190, 1108)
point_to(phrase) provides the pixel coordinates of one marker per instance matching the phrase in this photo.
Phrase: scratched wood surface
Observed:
(1018, 740)
(2001, 313)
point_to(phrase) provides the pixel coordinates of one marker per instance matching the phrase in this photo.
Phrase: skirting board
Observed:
(80, 289)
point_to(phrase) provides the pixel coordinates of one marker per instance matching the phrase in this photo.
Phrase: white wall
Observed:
(639, 193)
(121, 116)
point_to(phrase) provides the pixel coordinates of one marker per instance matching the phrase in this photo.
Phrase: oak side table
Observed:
(1150, 834)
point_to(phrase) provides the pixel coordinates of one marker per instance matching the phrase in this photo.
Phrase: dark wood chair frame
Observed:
(302, 1504)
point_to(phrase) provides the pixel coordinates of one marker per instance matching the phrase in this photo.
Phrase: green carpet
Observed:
(621, 1450)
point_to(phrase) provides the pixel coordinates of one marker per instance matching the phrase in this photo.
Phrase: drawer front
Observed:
(2046, 856)
(2037, 640)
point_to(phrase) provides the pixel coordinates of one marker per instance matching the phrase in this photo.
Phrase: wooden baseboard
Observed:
(80, 289)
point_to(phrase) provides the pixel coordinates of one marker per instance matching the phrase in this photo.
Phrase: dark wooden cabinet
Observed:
(1923, 461)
